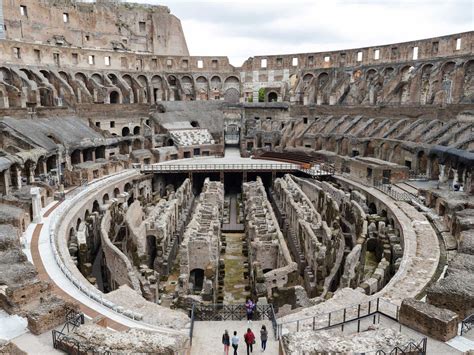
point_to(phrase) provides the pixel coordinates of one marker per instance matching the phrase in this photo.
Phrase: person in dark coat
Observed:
(264, 337)
(226, 342)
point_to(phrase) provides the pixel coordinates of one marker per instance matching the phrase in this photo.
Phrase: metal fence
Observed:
(172, 168)
(340, 317)
(467, 324)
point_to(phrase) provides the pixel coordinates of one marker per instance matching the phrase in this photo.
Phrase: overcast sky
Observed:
(241, 29)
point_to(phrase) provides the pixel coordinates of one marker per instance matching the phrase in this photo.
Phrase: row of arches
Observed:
(50, 88)
(425, 83)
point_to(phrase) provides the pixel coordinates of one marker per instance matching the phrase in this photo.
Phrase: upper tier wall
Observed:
(104, 25)
(23, 52)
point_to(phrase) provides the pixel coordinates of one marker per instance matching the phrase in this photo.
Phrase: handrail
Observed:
(191, 328)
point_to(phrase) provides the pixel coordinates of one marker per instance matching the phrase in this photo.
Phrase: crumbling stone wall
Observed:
(200, 247)
(318, 249)
(271, 263)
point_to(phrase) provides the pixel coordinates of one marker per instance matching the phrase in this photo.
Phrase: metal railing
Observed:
(409, 348)
(164, 168)
(467, 324)
(340, 317)
(62, 341)
(413, 175)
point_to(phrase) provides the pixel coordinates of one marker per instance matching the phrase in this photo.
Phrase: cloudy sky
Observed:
(241, 29)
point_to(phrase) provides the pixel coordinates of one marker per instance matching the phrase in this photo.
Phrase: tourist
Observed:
(249, 307)
(235, 342)
(264, 337)
(226, 342)
(249, 338)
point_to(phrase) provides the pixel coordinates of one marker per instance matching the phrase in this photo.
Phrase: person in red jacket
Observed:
(249, 338)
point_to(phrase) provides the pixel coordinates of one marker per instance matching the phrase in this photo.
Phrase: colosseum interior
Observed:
(146, 194)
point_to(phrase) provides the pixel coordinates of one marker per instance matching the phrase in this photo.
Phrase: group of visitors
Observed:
(249, 338)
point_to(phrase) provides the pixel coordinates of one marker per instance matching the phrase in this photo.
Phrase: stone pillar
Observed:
(15, 172)
(455, 177)
(36, 204)
(222, 176)
(93, 155)
(244, 176)
(31, 173)
(442, 177)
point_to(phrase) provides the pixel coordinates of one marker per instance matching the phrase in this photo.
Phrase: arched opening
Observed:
(169, 142)
(78, 223)
(72, 233)
(114, 97)
(195, 124)
(105, 199)
(127, 187)
(116, 192)
(372, 208)
(196, 277)
(272, 97)
(151, 250)
(86, 215)
(266, 270)
(95, 206)
(136, 130)
(125, 131)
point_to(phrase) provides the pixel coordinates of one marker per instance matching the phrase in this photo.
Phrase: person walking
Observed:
(249, 307)
(249, 340)
(235, 342)
(264, 337)
(226, 342)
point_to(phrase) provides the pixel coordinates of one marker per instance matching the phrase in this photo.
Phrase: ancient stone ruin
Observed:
(145, 193)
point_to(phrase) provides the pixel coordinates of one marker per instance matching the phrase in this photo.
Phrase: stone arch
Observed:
(187, 86)
(128, 79)
(157, 86)
(196, 276)
(232, 82)
(272, 96)
(3, 99)
(78, 223)
(98, 78)
(105, 199)
(125, 131)
(95, 206)
(468, 82)
(113, 78)
(202, 88)
(136, 130)
(5, 75)
(114, 97)
(81, 77)
(127, 187)
(116, 192)
(216, 83)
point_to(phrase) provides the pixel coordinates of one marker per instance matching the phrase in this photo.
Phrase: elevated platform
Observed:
(231, 162)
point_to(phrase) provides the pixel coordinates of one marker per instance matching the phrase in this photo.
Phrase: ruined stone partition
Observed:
(155, 229)
(271, 264)
(317, 248)
(120, 270)
(199, 250)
